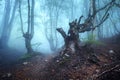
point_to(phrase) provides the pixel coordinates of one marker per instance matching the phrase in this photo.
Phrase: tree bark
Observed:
(72, 38)
(28, 38)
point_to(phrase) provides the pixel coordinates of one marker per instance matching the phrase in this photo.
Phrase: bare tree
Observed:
(76, 27)
(7, 22)
(54, 8)
(30, 29)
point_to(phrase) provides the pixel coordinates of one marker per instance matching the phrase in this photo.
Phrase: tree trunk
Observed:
(28, 38)
(30, 28)
(7, 23)
(70, 40)
(6, 17)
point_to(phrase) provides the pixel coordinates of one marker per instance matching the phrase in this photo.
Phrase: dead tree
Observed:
(76, 27)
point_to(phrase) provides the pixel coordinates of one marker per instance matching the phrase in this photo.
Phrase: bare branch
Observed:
(62, 32)
(105, 16)
(21, 17)
(102, 21)
(32, 18)
(28, 30)
(80, 19)
(108, 71)
(105, 6)
(114, 25)
(118, 5)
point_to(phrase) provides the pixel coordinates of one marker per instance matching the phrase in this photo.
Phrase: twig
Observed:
(107, 71)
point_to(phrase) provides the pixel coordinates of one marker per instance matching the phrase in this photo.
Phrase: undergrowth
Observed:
(92, 40)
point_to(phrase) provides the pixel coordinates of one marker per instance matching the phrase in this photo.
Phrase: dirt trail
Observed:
(51, 68)
(33, 69)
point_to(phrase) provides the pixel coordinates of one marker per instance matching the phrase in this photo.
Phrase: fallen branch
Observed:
(108, 71)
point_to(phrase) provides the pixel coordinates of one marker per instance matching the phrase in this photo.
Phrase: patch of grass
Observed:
(28, 56)
(95, 42)
(92, 40)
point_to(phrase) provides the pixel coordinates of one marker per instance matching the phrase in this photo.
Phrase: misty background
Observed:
(49, 15)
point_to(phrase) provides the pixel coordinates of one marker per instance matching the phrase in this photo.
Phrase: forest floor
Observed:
(99, 62)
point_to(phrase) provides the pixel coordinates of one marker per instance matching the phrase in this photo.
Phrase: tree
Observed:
(30, 28)
(112, 21)
(76, 27)
(7, 23)
(54, 8)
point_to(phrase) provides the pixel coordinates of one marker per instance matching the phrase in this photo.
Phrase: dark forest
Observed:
(60, 40)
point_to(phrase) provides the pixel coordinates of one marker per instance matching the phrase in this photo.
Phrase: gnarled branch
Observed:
(62, 32)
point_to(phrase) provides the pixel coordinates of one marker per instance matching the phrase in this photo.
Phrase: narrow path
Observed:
(33, 69)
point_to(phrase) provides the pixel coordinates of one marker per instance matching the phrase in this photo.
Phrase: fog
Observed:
(42, 20)
(59, 39)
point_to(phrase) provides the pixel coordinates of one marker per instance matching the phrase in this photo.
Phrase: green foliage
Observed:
(92, 40)
(28, 56)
